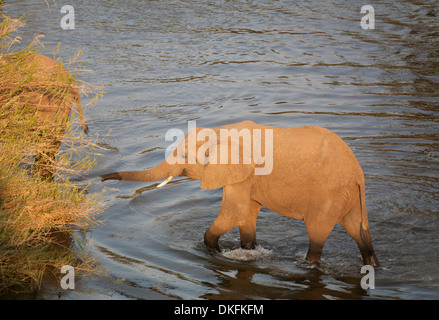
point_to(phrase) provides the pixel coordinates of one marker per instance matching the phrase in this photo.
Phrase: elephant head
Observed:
(218, 157)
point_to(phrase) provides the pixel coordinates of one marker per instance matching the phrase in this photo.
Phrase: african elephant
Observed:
(48, 89)
(314, 176)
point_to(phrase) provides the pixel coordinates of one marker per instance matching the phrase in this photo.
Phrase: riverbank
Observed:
(40, 219)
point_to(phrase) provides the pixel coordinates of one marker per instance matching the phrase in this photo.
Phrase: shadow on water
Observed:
(279, 63)
(250, 282)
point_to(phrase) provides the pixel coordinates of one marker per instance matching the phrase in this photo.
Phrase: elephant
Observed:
(314, 177)
(48, 90)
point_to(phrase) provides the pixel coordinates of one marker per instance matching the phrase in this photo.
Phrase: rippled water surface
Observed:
(279, 63)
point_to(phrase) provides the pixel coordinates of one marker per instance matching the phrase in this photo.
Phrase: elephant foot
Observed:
(211, 243)
(248, 236)
(312, 260)
(248, 245)
(213, 250)
(371, 261)
(313, 256)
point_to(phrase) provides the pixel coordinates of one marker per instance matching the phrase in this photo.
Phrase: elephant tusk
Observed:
(165, 182)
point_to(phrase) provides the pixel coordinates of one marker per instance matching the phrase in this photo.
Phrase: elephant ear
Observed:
(218, 174)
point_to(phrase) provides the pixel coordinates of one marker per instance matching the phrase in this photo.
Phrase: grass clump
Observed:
(39, 218)
(37, 221)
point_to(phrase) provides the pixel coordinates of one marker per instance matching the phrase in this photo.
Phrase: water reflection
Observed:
(247, 282)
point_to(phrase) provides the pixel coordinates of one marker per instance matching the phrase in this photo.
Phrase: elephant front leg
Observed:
(211, 237)
(223, 223)
(248, 236)
(247, 229)
(236, 210)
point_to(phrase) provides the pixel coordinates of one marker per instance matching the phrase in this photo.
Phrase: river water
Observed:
(279, 63)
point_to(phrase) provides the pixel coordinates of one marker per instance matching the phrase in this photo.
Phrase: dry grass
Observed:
(39, 218)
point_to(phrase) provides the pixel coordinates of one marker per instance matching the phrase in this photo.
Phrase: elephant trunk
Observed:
(159, 172)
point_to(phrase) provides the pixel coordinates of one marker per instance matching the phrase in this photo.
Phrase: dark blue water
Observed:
(279, 63)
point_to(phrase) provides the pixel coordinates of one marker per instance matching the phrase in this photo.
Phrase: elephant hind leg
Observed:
(359, 231)
(319, 225)
(317, 239)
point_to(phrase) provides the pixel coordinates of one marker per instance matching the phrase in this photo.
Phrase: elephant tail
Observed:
(364, 221)
(361, 196)
(368, 253)
(77, 97)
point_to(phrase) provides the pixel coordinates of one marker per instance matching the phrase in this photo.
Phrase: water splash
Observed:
(247, 255)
